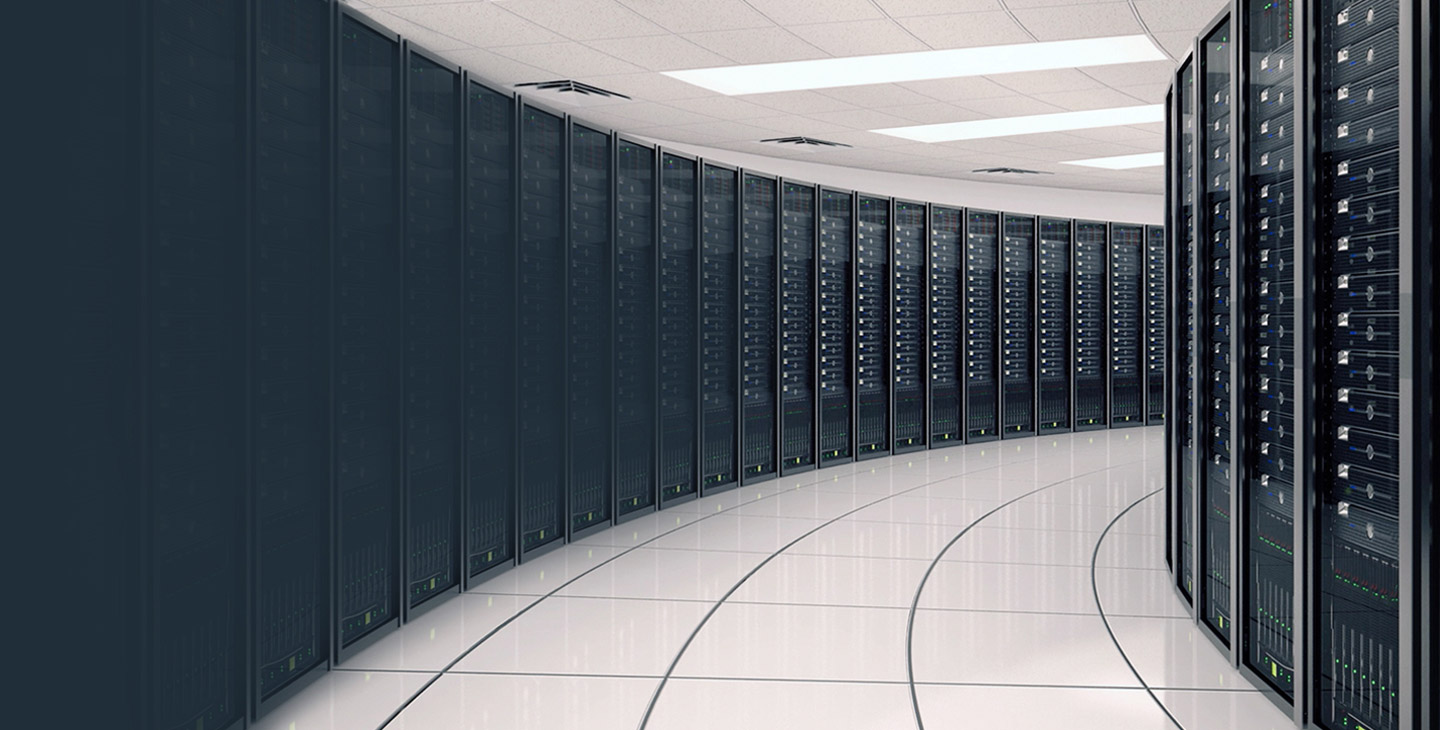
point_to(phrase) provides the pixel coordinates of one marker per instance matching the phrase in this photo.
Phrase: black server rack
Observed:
(1215, 386)
(540, 317)
(679, 279)
(835, 325)
(431, 311)
(1090, 326)
(1054, 300)
(1017, 326)
(982, 326)
(194, 366)
(635, 302)
(590, 387)
(797, 327)
(1157, 335)
(1183, 324)
(1127, 325)
(910, 339)
(489, 338)
(289, 345)
(719, 328)
(759, 345)
(1269, 357)
(872, 326)
(367, 334)
(947, 311)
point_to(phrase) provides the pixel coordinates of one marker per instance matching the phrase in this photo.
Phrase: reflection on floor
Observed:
(814, 601)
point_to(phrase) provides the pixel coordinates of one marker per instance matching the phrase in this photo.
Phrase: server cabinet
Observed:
(366, 326)
(1269, 357)
(1127, 325)
(982, 326)
(289, 343)
(719, 328)
(194, 366)
(1215, 344)
(489, 314)
(679, 272)
(432, 352)
(635, 301)
(760, 363)
(946, 314)
(872, 326)
(1157, 335)
(1091, 325)
(1017, 327)
(834, 323)
(908, 315)
(797, 327)
(1053, 321)
(589, 320)
(540, 318)
(1183, 324)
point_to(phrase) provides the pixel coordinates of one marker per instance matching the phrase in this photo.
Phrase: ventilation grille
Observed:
(1009, 171)
(570, 86)
(804, 142)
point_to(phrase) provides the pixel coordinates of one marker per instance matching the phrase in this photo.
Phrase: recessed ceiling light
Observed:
(1036, 124)
(1123, 162)
(890, 68)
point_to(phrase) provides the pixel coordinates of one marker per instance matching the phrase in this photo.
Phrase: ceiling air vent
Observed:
(1009, 171)
(575, 93)
(804, 142)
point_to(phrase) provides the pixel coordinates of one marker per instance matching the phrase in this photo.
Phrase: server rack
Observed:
(1183, 324)
(1091, 325)
(636, 301)
(1127, 325)
(289, 347)
(719, 328)
(982, 326)
(1157, 335)
(835, 325)
(1018, 292)
(1055, 305)
(193, 460)
(540, 316)
(489, 338)
(431, 316)
(910, 338)
(679, 284)
(760, 277)
(947, 312)
(590, 474)
(1171, 144)
(872, 326)
(798, 219)
(1269, 148)
(366, 326)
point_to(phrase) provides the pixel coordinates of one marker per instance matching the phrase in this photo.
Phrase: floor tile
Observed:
(476, 701)
(733, 532)
(1138, 593)
(1174, 655)
(876, 539)
(667, 574)
(1225, 710)
(768, 641)
(1039, 708)
(834, 581)
(693, 704)
(1009, 587)
(1017, 648)
(344, 701)
(549, 571)
(440, 635)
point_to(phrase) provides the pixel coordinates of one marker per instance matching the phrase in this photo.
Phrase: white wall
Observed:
(1013, 198)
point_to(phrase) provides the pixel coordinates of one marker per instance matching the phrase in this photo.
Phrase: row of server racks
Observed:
(356, 330)
(1301, 456)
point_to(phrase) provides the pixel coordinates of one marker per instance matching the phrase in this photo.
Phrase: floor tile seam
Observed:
(905, 558)
(919, 590)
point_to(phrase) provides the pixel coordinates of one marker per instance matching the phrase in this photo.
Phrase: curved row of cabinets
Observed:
(1302, 458)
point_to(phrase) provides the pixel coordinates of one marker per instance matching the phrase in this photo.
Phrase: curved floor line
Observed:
(541, 597)
(1095, 588)
(655, 698)
(915, 604)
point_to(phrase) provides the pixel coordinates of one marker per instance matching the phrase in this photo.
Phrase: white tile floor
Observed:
(789, 605)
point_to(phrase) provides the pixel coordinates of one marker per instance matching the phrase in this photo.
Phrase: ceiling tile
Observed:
(865, 119)
(428, 39)
(935, 112)
(1122, 135)
(911, 8)
(723, 107)
(865, 139)
(496, 69)
(1041, 82)
(1088, 99)
(959, 90)
(649, 86)
(1016, 4)
(1132, 74)
(1079, 21)
(966, 30)
(687, 16)
(726, 130)
(792, 125)
(1010, 106)
(583, 20)
(859, 38)
(650, 114)
(797, 12)
(659, 53)
(799, 102)
(760, 45)
(1105, 149)
(570, 60)
(483, 25)
(876, 96)
(1189, 16)
(1178, 42)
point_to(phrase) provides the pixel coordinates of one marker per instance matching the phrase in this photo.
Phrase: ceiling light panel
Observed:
(1035, 124)
(1123, 162)
(889, 68)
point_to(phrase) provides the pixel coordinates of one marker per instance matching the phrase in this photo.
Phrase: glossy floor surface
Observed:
(1018, 584)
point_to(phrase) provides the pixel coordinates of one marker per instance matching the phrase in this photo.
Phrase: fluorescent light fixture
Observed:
(1014, 126)
(890, 68)
(1123, 162)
